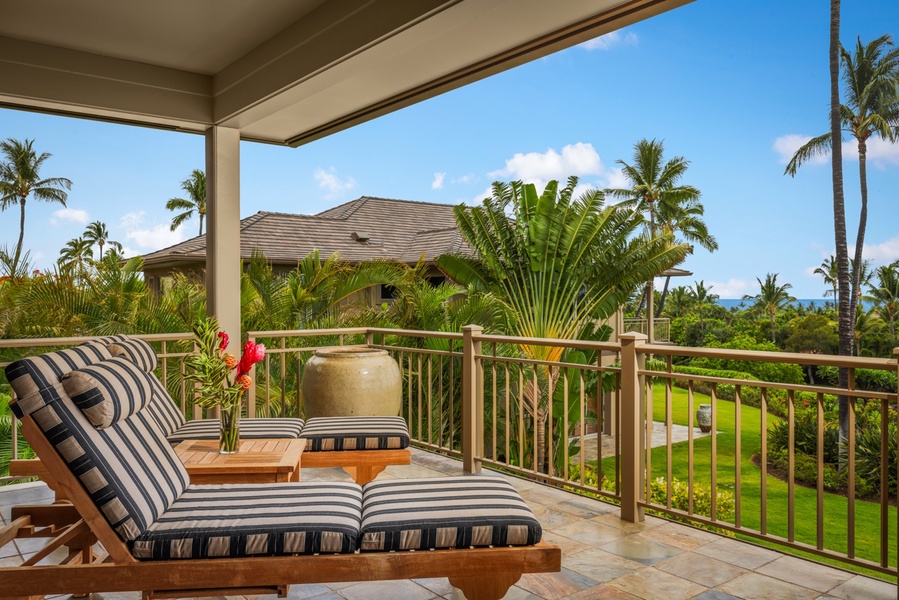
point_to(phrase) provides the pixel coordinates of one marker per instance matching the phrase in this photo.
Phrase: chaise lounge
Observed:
(88, 416)
(361, 446)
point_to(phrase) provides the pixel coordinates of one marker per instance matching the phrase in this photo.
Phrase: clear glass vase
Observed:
(229, 434)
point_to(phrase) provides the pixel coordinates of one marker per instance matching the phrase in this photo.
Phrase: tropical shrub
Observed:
(873, 380)
(702, 498)
(765, 371)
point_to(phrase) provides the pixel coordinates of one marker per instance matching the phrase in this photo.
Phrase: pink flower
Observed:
(223, 341)
(252, 354)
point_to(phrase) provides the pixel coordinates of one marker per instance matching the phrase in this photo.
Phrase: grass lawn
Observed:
(867, 514)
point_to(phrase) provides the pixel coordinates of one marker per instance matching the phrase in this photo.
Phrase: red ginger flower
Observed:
(252, 354)
(223, 341)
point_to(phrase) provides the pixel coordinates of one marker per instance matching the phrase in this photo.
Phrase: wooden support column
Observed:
(632, 427)
(223, 230)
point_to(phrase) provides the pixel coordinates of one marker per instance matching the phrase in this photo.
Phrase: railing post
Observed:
(369, 338)
(472, 401)
(632, 426)
(251, 393)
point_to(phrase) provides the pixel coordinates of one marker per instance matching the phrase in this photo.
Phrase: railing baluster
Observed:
(763, 483)
(884, 483)
(820, 473)
(713, 511)
(493, 454)
(565, 425)
(440, 438)
(690, 458)
(284, 377)
(669, 423)
(550, 392)
(521, 405)
(738, 454)
(850, 475)
(791, 467)
(418, 398)
(535, 465)
(430, 399)
(506, 431)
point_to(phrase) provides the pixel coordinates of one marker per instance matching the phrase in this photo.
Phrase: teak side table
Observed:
(258, 461)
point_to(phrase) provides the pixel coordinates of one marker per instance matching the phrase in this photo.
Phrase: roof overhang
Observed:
(280, 71)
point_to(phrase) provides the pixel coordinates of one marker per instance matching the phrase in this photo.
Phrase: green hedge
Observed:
(873, 380)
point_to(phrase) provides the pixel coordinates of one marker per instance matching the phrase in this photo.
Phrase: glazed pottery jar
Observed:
(351, 381)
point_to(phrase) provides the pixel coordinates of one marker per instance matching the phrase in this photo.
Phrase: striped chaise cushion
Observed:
(129, 470)
(250, 429)
(109, 391)
(36, 380)
(134, 349)
(453, 512)
(210, 521)
(355, 433)
(138, 351)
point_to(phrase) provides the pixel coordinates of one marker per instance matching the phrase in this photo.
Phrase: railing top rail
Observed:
(308, 332)
(857, 362)
(514, 340)
(446, 335)
(70, 341)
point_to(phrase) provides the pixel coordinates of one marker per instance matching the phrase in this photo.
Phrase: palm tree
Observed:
(871, 77)
(74, 254)
(771, 298)
(195, 186)
(680, 300)
(702, 295)
(20, 178)
(886, 296)
(828, 270)
(671, 208)
(558, 264)
(96, 233)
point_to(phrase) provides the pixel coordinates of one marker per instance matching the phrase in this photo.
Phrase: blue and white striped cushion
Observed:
(109, 391)
(355, 433)
(250, 429)
(445, 512)
(210, 521)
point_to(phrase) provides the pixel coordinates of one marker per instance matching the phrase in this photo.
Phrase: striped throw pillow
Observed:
(109, 391)
(137, 351)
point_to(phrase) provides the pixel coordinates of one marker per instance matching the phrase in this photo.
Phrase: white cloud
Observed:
(732, 288)
(72, 215)
(465, 179)
(148, 237)
(615, 178)
(614, 38)
(330, 182)
(885, 252)
(477, 200)
(880, 152)
(438, 181)
(536, 167)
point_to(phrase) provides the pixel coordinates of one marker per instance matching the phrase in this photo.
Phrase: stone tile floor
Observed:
(603, 557)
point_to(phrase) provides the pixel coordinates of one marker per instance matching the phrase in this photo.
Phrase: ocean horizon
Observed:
(729, 303)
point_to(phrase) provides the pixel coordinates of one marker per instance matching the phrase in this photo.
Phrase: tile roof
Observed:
(404, 230)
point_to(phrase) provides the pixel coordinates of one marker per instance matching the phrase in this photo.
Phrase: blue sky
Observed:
(733, 86)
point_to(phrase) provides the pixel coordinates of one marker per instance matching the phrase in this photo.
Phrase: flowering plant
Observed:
(211, 369)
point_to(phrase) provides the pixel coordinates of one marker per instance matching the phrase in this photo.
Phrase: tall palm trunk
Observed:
(664, 294)
(15, 260)
(839, 213)
(200, 215)
(771, 316)
(862, 226)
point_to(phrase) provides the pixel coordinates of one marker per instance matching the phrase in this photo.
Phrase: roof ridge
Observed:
(450, 228)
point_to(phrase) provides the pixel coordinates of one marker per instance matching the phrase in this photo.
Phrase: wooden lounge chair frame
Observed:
(362, 465)
(480, 573)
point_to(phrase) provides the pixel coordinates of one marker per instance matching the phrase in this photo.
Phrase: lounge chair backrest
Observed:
(128, 468)
(161, 405)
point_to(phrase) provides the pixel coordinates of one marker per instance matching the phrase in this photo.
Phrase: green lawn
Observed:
(867, 514)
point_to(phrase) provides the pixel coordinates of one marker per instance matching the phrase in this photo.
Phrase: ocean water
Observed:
(729, 303)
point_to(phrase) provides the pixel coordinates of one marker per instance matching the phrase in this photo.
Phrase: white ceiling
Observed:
(281, 71)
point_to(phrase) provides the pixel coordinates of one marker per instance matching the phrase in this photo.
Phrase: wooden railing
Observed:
(583, 415)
